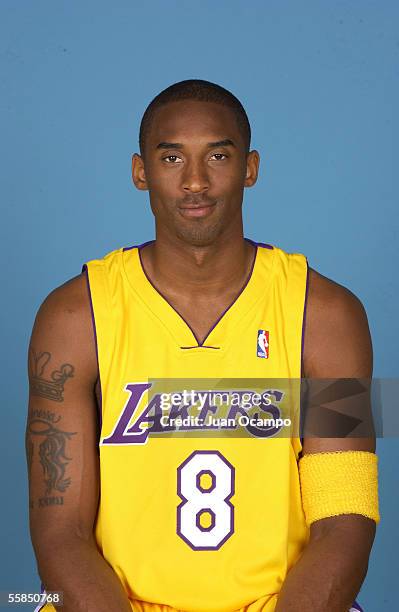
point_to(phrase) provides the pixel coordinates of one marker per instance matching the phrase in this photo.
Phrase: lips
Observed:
(196, 206)
(193, 202)
(196, 210)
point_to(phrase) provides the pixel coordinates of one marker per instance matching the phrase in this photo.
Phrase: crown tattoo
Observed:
(52, 388)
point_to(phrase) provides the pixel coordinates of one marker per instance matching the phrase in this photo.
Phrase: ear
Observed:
(253, 160)
(138, 172)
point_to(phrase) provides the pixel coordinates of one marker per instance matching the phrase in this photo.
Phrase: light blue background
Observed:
(319, 81)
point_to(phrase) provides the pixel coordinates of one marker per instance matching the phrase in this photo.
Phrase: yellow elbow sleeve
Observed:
(340, 482)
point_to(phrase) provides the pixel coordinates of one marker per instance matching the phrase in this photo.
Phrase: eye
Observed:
(172, 159)
(219, 156)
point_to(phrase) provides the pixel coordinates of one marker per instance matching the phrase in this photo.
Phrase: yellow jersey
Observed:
(196, 513)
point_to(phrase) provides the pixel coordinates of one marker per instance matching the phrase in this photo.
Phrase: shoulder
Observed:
(70, 302)
(64, 325)
(336, 335)
(325, 295)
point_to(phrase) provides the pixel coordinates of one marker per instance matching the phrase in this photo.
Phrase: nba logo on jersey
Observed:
(263, 344)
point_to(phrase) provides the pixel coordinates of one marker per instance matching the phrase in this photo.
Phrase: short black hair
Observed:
(195, 89)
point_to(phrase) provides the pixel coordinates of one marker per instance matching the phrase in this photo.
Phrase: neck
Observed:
(208, 269)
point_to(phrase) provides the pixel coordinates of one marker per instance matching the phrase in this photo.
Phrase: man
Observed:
(124, 517)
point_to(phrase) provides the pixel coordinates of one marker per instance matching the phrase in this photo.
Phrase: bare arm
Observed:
(331, 570)
(62, 454)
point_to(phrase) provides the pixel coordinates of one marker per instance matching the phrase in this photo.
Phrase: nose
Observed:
(195, 177)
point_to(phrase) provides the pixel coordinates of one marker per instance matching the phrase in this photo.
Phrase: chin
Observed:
(199, 236)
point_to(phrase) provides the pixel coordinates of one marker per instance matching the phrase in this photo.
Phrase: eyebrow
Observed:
(178, 145)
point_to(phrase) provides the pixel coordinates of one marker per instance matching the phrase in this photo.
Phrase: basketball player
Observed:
(124, 518)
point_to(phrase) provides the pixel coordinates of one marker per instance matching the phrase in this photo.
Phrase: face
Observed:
(195, 168)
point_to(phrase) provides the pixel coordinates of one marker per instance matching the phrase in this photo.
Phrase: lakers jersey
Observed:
(197, 513)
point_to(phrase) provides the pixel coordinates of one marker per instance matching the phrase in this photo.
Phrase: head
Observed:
(195, 161)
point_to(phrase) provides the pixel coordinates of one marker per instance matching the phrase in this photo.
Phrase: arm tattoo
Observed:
(51, 388)
(51, 442)
(29, 452)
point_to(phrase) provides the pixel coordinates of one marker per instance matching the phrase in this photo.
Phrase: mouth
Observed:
(197, 210)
